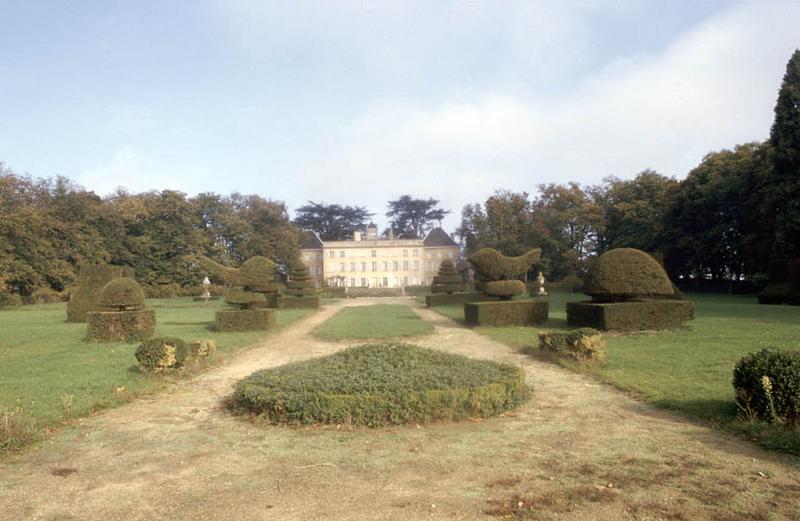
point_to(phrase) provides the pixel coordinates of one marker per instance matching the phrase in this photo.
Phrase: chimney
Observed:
(391, 234)
(357, 235)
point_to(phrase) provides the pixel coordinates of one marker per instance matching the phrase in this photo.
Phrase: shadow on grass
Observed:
(711, 410)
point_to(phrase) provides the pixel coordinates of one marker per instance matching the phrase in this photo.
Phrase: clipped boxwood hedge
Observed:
(306, 302)
(443, 299)
(245, 319)
(504, 289)
(583, 344)
(767, 385)
(381, 384)
(506, 313)
(630, 316)
(161, 354)
(120, 326)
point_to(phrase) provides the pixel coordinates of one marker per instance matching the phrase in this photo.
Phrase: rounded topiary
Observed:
(448, 280)
(767, 385)
(504, 289)
(493, 265)
(86, 297)
(122, 294)
(162, 354)
(627, 274)
(257, 272)
(382, 384)
(300, 283)
(243, 299)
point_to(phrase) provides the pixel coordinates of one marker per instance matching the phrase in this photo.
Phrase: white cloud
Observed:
(127, 168)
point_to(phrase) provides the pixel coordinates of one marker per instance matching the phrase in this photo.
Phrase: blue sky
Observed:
(360, 102)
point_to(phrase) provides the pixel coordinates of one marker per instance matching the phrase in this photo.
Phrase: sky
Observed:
(358, 103)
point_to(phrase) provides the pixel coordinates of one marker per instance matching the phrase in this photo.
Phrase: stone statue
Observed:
(540, 280)
(206, 285)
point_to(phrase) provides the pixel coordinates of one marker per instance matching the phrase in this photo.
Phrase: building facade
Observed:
(372, 261)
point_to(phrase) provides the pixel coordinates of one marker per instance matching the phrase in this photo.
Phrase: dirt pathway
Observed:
(577, 450)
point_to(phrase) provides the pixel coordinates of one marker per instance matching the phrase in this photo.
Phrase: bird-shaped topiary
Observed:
(448, 280)
(501, 272)
(122, 315)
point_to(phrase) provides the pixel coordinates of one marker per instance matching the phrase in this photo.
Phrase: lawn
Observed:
(50, 374)
(377, 321)
(687, 370)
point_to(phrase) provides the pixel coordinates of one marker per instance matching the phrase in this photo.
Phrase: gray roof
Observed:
(438, 238)
(310, 240)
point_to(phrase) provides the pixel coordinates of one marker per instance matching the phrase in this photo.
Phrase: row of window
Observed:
(395, 265)
(373, 253)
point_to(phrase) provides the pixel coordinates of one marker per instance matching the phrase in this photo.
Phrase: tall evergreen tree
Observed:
(785, 141)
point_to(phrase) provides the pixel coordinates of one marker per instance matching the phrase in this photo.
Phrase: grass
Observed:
(382, 384)
(373, 322)
(687, 370)
(48, 374)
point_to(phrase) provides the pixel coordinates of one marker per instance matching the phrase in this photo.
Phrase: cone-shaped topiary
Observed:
(300, 282)
(493, 265)
(627, 274)
(122, 316)
(448, 280)
(122, 294)
(260, 290)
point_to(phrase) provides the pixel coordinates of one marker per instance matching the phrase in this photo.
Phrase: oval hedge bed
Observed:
(381, 384)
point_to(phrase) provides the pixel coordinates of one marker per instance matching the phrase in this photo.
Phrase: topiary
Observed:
(767, 385)
(257, 272)
(448, 279)
(93, 277)
(243, 299)
(301, 283)
(493, 265)
(504, 289)
(627, 274)
(162, 354)
(583, 344)
(122, 294)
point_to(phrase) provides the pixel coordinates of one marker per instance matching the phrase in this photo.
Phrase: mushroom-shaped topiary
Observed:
(504, 289)
(627, 274)
(493, 265)
(300, 283)
(448, 280)
(122, 294)
(257, 273)
(243, 299)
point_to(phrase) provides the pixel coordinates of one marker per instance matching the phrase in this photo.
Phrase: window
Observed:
(341, 266)
(395, 265)
(352, 282)
(374, 253)
(385, 282)
(374, 266)
(363, 282)
(429, 265)
(353, 267)
(331, 254)
(363, 266)
(405, 253)
(416, 265)
(416, 253)
(405, 265)
(386, 266)
(405, 281)
(341, 253)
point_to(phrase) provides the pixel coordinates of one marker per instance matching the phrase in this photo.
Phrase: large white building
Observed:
(370, 260)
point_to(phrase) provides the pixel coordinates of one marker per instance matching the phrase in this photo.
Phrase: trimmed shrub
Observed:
(493, 265)
(334, 292)
(308, 302)
(582, 344)
(162, 354)
(120, 326)
(45, 296)
(257, 271)
(245, 319)
(301, 283)
(92, 279)
(448, 280)
(417, 291)
(243, 299)
(767, 385)
(506, 313)
(504, 289)
(630, 316)
(9, 300)
(784, 283)
(383, 384)
(122, 294)
(374, 292)
(443, 299)
(203, 348)
(170, 290)
(627, 274)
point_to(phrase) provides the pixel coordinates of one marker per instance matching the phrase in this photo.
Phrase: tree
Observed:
(331, 222)
(785, 141)
(414, 217)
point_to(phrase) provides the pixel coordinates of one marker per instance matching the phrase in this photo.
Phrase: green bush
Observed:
(307, 302)
(493, 265)
(243, 299)
(170, 290)
(627, 274)
(417, 291)
(9, 300)
(203, 348)
(784, 283)
(374, 292)
(630, 316)
(448, 280)
(120, 326)
(122, 294)
(382, 384)
(582, 344)
(92, 279)
(257, 272)
(45, 296)
(301, 283)
(245, 319)
(444, 299)
(334, 292)
(504, 289)
(767, 385)
(162, 354)
(506, 313)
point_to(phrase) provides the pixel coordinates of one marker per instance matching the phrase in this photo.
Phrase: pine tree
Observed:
(785, 141)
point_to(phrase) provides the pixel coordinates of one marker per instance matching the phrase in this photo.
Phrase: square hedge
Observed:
(506, 313)
(120, 326)
(443, 299)
(305, 302)
(630, 316)
(245, 319)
